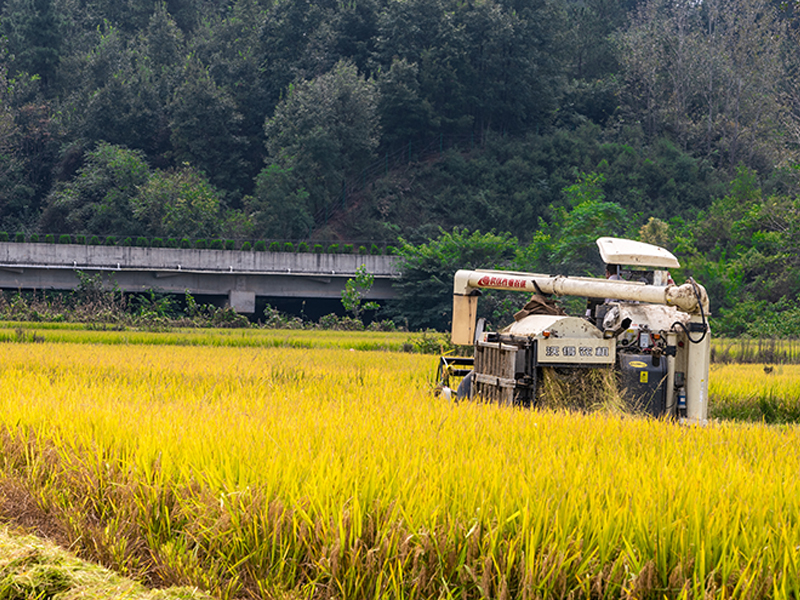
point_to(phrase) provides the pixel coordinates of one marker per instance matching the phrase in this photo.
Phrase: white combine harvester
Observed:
(653, 332)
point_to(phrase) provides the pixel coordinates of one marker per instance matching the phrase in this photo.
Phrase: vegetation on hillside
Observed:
(543, 122)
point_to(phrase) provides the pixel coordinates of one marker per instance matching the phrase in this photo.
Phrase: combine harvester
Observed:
(653, 333)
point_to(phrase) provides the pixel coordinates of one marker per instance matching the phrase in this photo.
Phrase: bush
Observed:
(275, 247)
(230, 245)
(128, 241)
(156, 243)
(288, 247)
(94, 240)
(64, 238)
(111, 241)
(318, 248)
(201, 244)
(333, 249)
(348, 249)
(391, 251)
(302, 247)
(80, 239)
(247, 246)
(217, 244)
(375, 250)
(3, 236)
(333, 321)
(186, 243)
(173, 243)
(362, 250)
(34, 238)
(19, 237)
(50, 238)
(142, 242)
(261, 246)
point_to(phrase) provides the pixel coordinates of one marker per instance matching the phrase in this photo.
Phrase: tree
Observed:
(355, 290)
(177, 203)
(34, 37)
(325, 130)
(205, 126)
(278, 208)
(404, 114)
(568, 243)
(711, 74)
(98, 199)
(425, 286)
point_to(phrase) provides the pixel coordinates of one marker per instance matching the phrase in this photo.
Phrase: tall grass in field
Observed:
(260, 472)
(751, 351)
(769, 393)
(235, 338)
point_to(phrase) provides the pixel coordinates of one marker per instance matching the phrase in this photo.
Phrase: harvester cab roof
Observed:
(637, 261)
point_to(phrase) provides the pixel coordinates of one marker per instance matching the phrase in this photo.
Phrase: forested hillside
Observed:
(550, 121)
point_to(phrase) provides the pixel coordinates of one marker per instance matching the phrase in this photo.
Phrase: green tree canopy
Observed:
(325, 130)
(425, 288)
(177, 203)
(98, 200)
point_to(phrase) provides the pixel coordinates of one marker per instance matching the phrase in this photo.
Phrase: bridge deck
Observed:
(241, 276)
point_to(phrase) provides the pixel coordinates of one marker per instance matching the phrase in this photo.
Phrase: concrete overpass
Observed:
(238, 276)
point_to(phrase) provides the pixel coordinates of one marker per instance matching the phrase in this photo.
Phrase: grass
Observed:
(427, 342)
(31, 568)
(755, 392)
(755, 351)
(325, 473)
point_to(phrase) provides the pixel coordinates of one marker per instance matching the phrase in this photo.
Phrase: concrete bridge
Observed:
(238, 276)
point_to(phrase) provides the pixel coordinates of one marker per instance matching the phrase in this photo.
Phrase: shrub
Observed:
(362, 250)
(261, 246)
(34, 238)
(80, 239)
(128, 241)
(230, 245)
(19, 237)
(64, 238)
(3, 236)
(318, 248)
(391, 251)
(156, 243)
(247, 246)
(348, 249)
(288, 247)
(375, 250)
(142, 242)
(217, 244)
(275, 247)
(111, 241)
(50, 238)
(302, 247)
(201, 244)
(173, 243)
(94, 241)
(186, 243)
(333, 249)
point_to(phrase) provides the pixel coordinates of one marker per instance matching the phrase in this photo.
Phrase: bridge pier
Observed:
(243, 302)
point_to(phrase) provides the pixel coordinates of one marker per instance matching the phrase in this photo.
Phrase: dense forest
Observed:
(470, 132)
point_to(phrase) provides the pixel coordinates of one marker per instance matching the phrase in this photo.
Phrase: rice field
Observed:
(253, 471)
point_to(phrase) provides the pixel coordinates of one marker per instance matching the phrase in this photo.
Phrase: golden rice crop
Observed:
(755, 392)
(263, 472)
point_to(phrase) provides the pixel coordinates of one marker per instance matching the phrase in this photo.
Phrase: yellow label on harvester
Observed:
(638, 364)
(643, 377)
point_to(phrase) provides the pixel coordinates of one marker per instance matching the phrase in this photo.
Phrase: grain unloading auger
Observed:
(653, 332)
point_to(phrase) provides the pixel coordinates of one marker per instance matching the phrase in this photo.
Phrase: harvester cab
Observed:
(651, 333)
